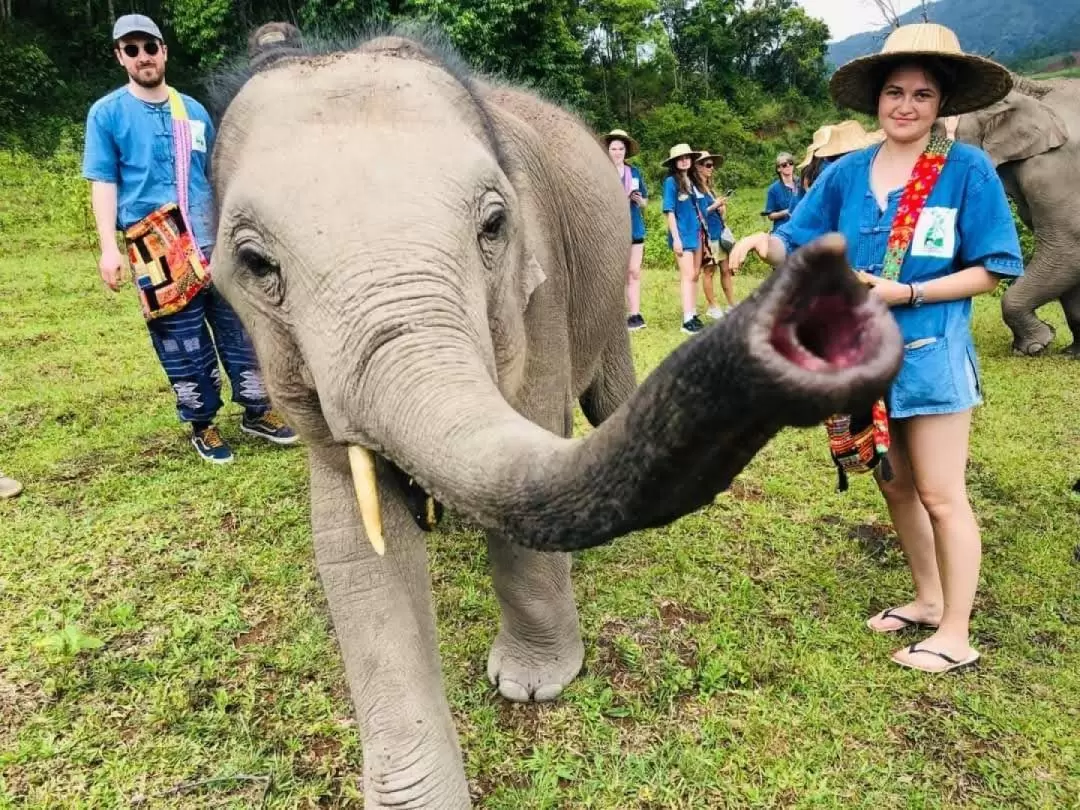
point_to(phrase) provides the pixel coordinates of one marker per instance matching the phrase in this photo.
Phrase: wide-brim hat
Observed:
(979, 83)
(848, 136)
(821, 136)
(706, 154)
(632, 147)
(680, 150)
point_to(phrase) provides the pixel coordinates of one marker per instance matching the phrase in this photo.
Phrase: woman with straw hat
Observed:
(620, 147)
(928, 226)
(685, 237)
(714, 209)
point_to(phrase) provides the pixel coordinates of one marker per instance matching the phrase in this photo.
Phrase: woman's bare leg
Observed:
(688, 272)
(708, 274)
(916, 533)
(938, 451)
(633, 280)
(727, 282)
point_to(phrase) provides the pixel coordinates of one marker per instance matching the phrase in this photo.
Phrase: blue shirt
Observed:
(686, 218)
(713, 220)
(637, 215)
(966, 223)
(781, 198)
(129, 142)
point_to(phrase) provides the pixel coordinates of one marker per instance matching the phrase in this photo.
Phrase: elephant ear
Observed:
(1021, 127)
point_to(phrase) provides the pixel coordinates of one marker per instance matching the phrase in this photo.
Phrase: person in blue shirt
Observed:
(714, 209)
(681, 199)
(964, 242)
(129, 159)
(621, 146)
(783, 195)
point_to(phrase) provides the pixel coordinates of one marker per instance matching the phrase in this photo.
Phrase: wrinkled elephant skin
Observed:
(432, 267)
(1033, 137)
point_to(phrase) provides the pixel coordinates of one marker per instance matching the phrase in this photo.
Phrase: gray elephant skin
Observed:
(1033, 138)
(432, 267)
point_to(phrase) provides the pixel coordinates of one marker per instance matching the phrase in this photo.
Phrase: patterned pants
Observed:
(182, 342)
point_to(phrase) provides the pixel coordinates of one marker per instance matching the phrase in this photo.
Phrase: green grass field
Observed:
(161, 623)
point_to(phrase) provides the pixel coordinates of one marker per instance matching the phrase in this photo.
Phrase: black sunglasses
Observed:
(707, 165)
(785, 163)
(150, 48)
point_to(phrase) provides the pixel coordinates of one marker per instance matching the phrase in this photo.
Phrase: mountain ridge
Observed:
(1005, 30)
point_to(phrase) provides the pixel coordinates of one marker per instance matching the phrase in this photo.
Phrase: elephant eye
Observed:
(256, 263)
(494, 223)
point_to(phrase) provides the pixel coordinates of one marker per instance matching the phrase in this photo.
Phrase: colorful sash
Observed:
(859, 442)
(168, 266)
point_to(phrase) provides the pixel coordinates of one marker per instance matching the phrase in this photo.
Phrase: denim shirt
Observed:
(637, 215)
(129, 142)
(781, 198)
(686, 218)
(966, 223)
(713, 220)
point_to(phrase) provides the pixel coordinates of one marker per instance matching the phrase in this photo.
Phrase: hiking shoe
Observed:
(635, 322)
(269, 426)
(210, 446)
(9, 487)
(693, 326)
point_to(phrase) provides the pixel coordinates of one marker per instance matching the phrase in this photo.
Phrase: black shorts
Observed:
(638, 242)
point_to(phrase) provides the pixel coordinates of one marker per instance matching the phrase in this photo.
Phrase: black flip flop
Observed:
(954, 664)
(907, 623)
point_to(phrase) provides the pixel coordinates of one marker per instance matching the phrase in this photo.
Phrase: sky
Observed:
(847, 17)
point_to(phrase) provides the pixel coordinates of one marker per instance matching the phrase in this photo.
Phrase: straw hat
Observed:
(707, 154)
(979, 83)
(821, 137)
(678, 151)
(632, 147)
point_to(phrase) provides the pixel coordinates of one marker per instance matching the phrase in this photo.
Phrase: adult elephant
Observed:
(432, 270)
(1033, 137)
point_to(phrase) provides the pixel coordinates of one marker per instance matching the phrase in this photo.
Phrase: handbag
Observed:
(707, 258)
(860, 442)
(727, 240)
(167, 265)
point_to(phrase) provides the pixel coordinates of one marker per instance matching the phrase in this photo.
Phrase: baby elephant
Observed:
(432, 267)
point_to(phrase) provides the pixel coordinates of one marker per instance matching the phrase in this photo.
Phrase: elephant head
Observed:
(1018, 127)
(385, 224)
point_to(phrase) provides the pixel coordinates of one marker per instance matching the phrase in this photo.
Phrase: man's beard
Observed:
(149, 84)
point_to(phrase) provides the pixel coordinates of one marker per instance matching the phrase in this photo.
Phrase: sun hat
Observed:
(680, 150)
(821, 137)
(135, 24)
(847, 136)
(632, 147)
(979, 83)
(705, 154)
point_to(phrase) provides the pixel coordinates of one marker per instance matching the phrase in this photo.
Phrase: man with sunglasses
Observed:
(783, 194)
(130, 159)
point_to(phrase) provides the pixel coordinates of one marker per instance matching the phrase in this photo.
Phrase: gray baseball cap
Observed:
(135, 24)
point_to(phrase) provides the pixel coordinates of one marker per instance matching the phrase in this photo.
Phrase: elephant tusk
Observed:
(429, 509)
(362, 464)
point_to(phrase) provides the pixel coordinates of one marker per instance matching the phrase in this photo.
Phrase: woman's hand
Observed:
(891, 292)
(676, 245)
(758, 242)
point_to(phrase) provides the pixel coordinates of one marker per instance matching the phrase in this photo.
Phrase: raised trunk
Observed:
(809, 342)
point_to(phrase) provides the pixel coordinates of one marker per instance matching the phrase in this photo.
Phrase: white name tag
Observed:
(198, 136)
(935, 234)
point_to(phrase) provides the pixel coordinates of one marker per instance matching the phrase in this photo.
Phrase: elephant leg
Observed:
(1043, 281)
(538, 650)
(1070, 302)
(385, 627)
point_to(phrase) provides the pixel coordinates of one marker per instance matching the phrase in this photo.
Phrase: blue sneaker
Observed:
(269, 426)
(210, 446)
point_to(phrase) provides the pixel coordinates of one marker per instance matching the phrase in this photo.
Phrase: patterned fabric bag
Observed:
(859, 442)
(168, 267)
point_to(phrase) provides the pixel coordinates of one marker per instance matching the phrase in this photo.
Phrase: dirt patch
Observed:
(875, 539)
(229, 523)
(673, 614)
(258, 634)
(746, 491)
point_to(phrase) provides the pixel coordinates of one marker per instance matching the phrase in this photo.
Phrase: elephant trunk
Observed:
(808, 343)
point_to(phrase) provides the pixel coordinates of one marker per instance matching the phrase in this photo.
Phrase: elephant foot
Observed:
(525, 670)
(1035, 343)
